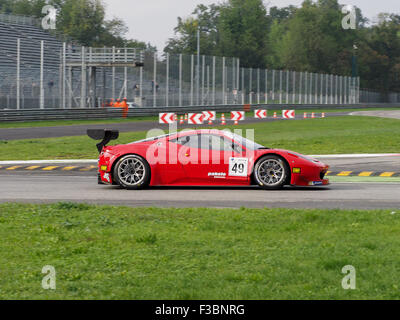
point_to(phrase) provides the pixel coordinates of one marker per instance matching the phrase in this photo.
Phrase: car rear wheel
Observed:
(271, 172)
(132, 172)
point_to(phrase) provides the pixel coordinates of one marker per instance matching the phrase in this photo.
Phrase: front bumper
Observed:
(311, 176)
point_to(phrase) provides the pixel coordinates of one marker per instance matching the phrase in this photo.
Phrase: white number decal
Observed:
(238, 167)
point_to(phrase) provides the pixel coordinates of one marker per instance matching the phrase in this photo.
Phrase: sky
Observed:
(154, 20)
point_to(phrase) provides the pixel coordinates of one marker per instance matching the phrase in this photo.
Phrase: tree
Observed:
(81, 20)
(185, 41)
(379, 55)
(243, 27)
(313, 39)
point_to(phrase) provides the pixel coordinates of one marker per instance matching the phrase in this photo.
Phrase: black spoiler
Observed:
(104, 135)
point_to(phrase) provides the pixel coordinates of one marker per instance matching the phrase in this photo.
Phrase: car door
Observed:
(169, 170)
(229, 158)
(188, 155)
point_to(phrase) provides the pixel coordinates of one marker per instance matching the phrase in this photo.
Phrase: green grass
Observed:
(53, 123)
(144, 253)
(314, 136)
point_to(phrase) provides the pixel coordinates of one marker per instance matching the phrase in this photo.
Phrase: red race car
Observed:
(202, 158)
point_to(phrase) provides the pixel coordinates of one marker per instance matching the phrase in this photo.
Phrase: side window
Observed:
(218, 143)
(230, 145)
(190, 141)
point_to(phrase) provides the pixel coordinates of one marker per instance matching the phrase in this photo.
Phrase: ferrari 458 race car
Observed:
(202, 158)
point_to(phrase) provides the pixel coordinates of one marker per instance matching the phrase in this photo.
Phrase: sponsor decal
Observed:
(317, 183)
(217, 174)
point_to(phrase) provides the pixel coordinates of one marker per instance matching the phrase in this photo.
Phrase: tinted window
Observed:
(191, 141)
(218, 143)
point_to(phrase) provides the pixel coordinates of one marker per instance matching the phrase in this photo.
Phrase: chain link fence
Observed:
(45, 79)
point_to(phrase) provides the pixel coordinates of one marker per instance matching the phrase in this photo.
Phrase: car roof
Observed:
(186, 132)
(200, 131)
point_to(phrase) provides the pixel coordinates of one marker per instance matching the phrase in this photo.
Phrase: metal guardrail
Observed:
(112, 113)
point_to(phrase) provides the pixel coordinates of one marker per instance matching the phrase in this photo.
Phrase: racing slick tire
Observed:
(132, 172)
(271, 172)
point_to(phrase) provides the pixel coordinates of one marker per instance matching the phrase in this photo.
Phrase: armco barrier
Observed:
(110, 113)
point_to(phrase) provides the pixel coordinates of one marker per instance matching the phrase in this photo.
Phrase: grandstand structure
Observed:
(38, 69)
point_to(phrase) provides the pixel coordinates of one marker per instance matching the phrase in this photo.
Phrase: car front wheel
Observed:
(271, 172)
(132, 172)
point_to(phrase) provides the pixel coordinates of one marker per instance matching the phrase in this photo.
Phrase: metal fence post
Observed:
(311, 87)
(301, 88)
(213, 81)
(251, 86)
(321, 99)
(18, 73)
(41, 74)
(63, 73)
(327, 86)
(223, 80)
(141, 82)
(155, 79)
(306, 87)
(266, 85)
(180, 80)
(243, 88)
(203, 78)
(167, 82)
(287, 86)
(125, 75)
(280, 86)
(273, 86)
(238, 79)
(316, 88)
(83, 77)
(113, 74)
(258, 85)
(191, 78)
(208, 84)
(294, 87)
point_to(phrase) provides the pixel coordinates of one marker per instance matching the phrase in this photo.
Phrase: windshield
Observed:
(248, 144)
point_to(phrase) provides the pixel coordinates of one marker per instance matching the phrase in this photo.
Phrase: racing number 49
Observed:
(238, 168)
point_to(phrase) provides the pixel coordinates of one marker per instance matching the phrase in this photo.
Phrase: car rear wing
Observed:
(104, 135)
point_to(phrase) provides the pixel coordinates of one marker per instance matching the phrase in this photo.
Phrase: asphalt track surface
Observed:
(375, 164)
(393, 114)
(57, 186)
(134, 126)
(54, 188)
(51, 187)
